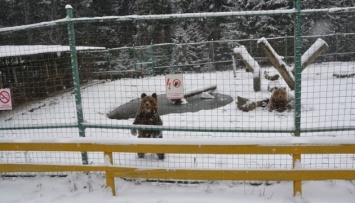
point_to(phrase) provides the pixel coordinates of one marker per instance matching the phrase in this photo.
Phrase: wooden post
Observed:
(234, 66)
(277, 62)
(313, 52)
(249, 67)
(242, 53)
(110, 179)
(297, 184)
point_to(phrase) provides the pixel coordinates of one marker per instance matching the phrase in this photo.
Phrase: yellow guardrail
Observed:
(297, 174)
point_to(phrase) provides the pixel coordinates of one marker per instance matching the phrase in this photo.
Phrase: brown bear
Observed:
(279, 100)
(148, 114)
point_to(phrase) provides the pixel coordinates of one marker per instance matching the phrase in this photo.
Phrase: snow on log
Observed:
(246, 105)
(269, 77)
(193, 92)
(313, 52)
(277, 62)
(190, 93)
(251, 65)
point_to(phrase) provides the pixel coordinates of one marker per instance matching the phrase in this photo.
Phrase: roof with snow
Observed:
(22, 50)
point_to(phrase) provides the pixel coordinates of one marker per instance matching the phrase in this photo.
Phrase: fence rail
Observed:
(112, 170)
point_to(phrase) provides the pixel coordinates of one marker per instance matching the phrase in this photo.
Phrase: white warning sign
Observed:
(5, 99)
(174, 86)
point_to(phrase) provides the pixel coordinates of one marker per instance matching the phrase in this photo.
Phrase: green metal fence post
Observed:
(297, 184)
(76, 80)
(298, 66)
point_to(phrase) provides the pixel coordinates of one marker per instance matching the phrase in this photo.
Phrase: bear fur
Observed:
(148, 114)
(279, 100)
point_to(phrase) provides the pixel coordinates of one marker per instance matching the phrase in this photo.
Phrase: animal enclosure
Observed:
(77, 96)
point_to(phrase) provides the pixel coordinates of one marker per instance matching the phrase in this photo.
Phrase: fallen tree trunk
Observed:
(277, 62)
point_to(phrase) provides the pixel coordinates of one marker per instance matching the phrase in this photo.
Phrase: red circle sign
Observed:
(4, 97)
(176, 83)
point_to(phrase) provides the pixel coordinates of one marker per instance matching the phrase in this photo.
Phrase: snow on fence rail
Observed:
(64, 21)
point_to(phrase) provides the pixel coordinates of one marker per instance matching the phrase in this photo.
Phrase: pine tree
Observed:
(189, 51)
(154, 31)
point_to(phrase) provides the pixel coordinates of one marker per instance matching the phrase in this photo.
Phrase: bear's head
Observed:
(149, 103)
(279, 94)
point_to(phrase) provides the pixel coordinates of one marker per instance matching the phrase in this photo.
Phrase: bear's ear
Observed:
(155, 96)
(143, 95)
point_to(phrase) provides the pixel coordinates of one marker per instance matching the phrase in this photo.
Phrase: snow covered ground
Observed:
(80, 188)
(327, 102)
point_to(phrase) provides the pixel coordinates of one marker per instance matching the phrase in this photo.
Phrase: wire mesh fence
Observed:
(118, 60)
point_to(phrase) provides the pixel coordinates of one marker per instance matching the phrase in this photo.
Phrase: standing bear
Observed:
(148, 114)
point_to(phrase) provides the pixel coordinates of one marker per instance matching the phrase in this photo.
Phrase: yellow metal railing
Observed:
(297, 174)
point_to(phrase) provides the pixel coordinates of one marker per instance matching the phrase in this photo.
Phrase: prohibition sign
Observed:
(176, 83)
(5, 97)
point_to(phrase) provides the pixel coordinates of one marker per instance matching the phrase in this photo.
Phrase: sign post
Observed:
(174, 86)
(5, 99)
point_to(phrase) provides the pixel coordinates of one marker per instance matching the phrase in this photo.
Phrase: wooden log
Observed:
(269, 77)
(251, 65)
(194, 92)
(312, 53)
(246, 105)
(277, 62)
(345, 75)
(234, 66)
